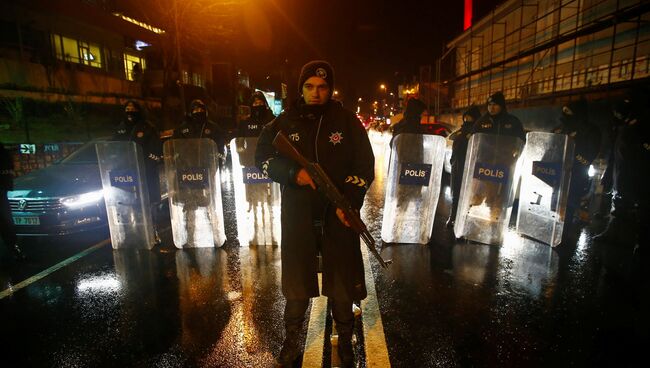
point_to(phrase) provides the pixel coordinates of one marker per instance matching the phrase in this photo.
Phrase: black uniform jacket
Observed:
(147, 137)
(253, 126)
(6, 169)
(337, 141)
(500, 124)
(586, 138)
(205, 129)
(459, 145)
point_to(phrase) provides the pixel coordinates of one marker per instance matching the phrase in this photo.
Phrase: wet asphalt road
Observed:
(446, 304)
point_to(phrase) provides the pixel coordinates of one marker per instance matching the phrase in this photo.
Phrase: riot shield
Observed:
(257, 198)
(126, 195)
(487, 190)
(412, 188)
(545, 174)
(194, 189)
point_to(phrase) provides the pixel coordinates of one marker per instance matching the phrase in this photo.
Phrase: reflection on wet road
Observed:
(446, 304)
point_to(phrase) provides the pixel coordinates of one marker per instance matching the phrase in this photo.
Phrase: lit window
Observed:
(66, 49)
(74, 51)
(90, 54)
(134, 65)
(197, 79)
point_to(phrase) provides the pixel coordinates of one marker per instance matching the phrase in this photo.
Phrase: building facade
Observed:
(539, 52)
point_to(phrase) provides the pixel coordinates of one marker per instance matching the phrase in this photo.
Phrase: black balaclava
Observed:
(201, 115)
(133, 112)
(257, 112)
(574, 112)
(622, 111)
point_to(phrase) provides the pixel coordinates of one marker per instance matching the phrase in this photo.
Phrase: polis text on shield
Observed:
(494, 173)
(491, 172)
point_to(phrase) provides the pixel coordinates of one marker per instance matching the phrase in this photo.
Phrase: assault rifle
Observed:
(327, 187)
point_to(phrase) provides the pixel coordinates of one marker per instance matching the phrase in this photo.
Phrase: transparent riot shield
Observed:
(257, 198)
(194, 188)
(126, 195)
(487, 190)
(412, 188)
(545, 174)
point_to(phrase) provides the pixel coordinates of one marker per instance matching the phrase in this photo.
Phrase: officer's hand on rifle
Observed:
(341, 216)
(303, 178)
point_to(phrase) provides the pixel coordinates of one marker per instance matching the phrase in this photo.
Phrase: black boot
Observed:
(294, 316)
(345, 350)
(290, 349)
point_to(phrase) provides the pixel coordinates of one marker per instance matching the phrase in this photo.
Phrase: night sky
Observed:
(368, 42)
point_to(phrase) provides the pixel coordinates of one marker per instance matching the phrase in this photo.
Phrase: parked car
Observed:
(63, 198)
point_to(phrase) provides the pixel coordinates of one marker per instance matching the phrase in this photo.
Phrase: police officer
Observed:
(197, 125)
(137, 129)
(630, 210)
(497, 121)
(324, 132)
(458, 152)
(7, 230)
(410, 123)
(261, 114)
(586, 138)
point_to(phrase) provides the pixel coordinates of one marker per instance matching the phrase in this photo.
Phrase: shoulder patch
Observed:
(336, 138)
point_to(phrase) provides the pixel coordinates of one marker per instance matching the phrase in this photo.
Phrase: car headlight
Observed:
(592, 171)
(83, 199)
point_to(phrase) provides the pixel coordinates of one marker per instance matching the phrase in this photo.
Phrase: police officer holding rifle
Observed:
(326, 134)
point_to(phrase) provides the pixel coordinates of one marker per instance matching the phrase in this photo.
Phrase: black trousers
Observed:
(295, 309)
(7, 230)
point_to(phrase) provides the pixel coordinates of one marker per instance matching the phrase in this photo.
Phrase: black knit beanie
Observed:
(498, 99)
(317, 68)
(474, 112)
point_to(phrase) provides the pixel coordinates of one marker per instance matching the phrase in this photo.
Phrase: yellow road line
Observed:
(373, 328)
(313, 356)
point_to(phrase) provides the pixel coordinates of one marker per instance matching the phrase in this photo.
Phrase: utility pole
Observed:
(179, 60)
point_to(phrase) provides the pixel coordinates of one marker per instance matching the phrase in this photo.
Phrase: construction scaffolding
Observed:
(531, 49)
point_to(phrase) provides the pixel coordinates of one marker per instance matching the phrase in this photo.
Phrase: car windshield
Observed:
(84, 155)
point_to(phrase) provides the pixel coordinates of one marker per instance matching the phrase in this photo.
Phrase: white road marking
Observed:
(23, 284)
